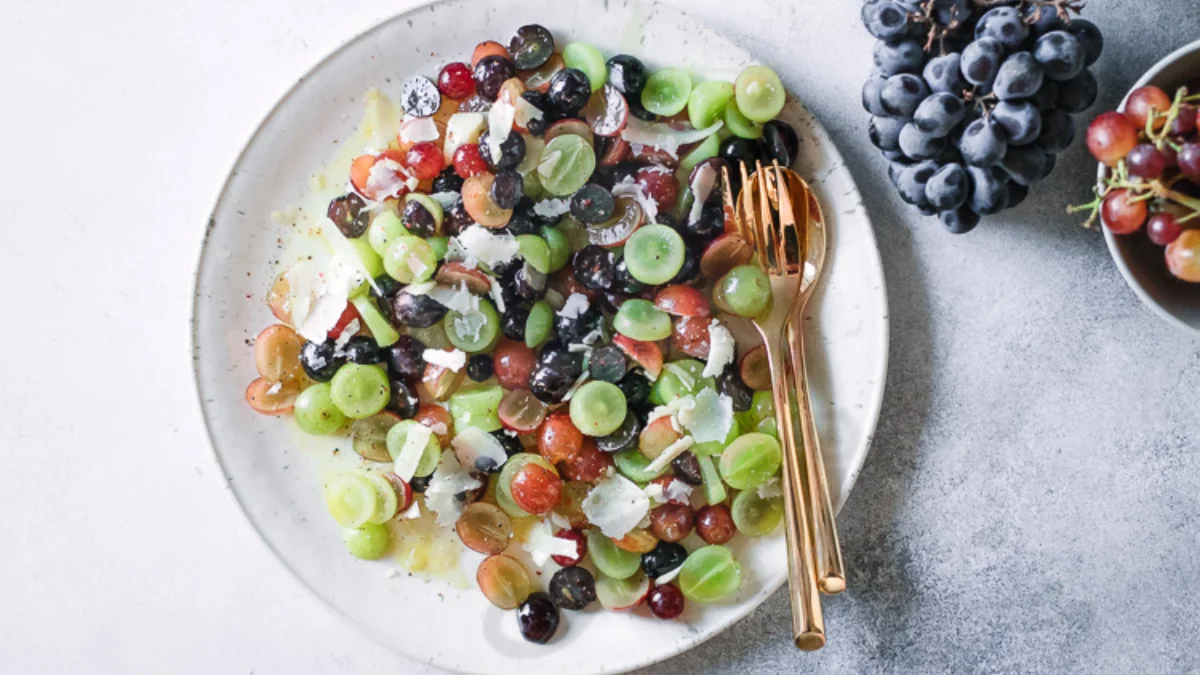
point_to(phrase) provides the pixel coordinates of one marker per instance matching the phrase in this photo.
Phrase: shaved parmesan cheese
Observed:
(667, 577)
(678, 492)
(558, 520)
(770, 489)
(418, 129)
(421, 288)
(552, 208)
(445, 199)
(616, 505)
(672, 410)
(685, 378)
(710, 419)
(664, 136)
(477, 244)
(574, 307)
(344, 251)
(654, 491)
(533, 153)
(453, 359)
(449, 480)
(673, 450)
(348, 332)
(525, 112)
(497, 295)
(458, 299)
(413, 511)
(405, 463)
(628, 187)
(438, 428)
(462, 128)
(541, 544)
(721, 346)
(328, 293)
(387, 177)
(478, 450)
(500, 123)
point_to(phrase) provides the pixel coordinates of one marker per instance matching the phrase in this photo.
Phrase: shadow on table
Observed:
(876, 557)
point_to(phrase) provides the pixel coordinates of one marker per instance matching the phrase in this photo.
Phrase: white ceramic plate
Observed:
(277, 482)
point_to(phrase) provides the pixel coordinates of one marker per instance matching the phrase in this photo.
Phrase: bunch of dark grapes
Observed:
(970, 101)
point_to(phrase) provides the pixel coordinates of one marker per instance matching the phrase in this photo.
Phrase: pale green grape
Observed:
(567, 163)
(707, 102)
(383, 230)
(587, 58)
(370, 259)
(707, 149)
(315, 411)
(558, 245)
(369, 542)
(679, 378)
(473, 331)
(754, 516)
(632, 464)
(611, 561)
(539, 324)
(667, 91)
(714, 489)
(384, 334)
(410, 260)
(387, 500)
(598, 408)
(738, 125)
(440, 246)
(654, 254)
(360, 391)
(709, 574)
(710, 448)
(750, 461)
(641, 320)
(351, 499)
(759, 93)
(744, 290)
(396, 437)
(477, 408)
(535, 251)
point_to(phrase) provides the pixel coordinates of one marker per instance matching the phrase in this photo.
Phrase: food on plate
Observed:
(970, 102)
(1152, 186)
(519, 316)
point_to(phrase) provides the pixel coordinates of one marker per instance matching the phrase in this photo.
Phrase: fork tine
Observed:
(787, 221)
(747, 217)
(766, 224)
(728, 210)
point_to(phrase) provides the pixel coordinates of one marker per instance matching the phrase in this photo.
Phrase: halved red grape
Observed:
(723, 254)
(521, 411)
(573, 127)
(513, 362)
(1120, 214)
(468, 162)
(1183, 256)
(536, 489)
(484, 528)
(489, 48)
(606, 111)
(612, 150)
(588, 465)
(657, 436)
(1142, 101)
(648, 355)
(755, 370)
(271, 398)
(437, 418)
(640, 540)
(559, 439)
(540, 79)
(682, 300)
(659, 184)
(425, 160)
(1110, 137)
(454, 273)
(580, 547)
(477, 200)
(690, 336)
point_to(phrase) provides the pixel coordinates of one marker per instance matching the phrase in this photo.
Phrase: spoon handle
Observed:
(831, 575)
(808, 622)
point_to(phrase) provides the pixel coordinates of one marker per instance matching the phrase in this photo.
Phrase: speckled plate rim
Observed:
(873, 403)
(1110, 239)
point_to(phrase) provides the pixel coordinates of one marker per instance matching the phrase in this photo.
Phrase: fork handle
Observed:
(831, 575)
(808, 622)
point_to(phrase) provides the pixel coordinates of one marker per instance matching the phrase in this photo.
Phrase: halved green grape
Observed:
(360, 391)
(620, 595)
(559, 246)
(680, 378)
(430, 455)
(567, 163)
(744, 290)
(710, 448)
(762, 406)
(709, 574)
(641, 320)
(666, 92)
(473, 331)
(714, 489)
(598, 408)
(755, 516)
(383, 230)
(610, 560)
(476, 408)
(532, 184)
(738, 125)
(768, 426)
(370, 259)
(388, 501)
(368, 437)
(539, 324)
(410, 260)
(351, 499)
(440, 246)
(587, 58)
(707, 102)
(707, 149)
(369, 542)
(759, 93)
(750, 461)
(654, 254)
(505, 501)
(535, 251)
(633, 464)
(384, 334)
(315, 412)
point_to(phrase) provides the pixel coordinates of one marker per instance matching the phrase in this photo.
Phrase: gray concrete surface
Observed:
(1030, 503)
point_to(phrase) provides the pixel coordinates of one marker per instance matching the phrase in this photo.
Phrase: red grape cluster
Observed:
(1153, 154)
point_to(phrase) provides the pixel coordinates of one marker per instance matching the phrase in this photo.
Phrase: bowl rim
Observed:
(1110, 239)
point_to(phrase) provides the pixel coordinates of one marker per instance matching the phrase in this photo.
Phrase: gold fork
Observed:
(808, 623)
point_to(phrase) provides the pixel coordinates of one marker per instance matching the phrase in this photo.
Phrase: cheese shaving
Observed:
(721, 349)
(405, 463)
(478, 450)
(628, 187)
(710, 418)
(477, 244)
(574, 307)
(448, 482)
(616, 505)
(453, 359)
(669, 454)
(541, 544)
(418, 130)
(500, 124)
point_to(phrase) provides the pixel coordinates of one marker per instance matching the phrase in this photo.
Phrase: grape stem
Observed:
(1143, 190)
(1061, 7)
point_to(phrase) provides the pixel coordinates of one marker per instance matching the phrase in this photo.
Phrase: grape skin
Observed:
(983, 143)
(1060, 54)
(1003, 24)
(905, 56)
(943, 74)
(902, 94)
(1019, 76)
(1020, 120)
(920, 144)
(981, 61)
(938, 114)
(948, 187)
